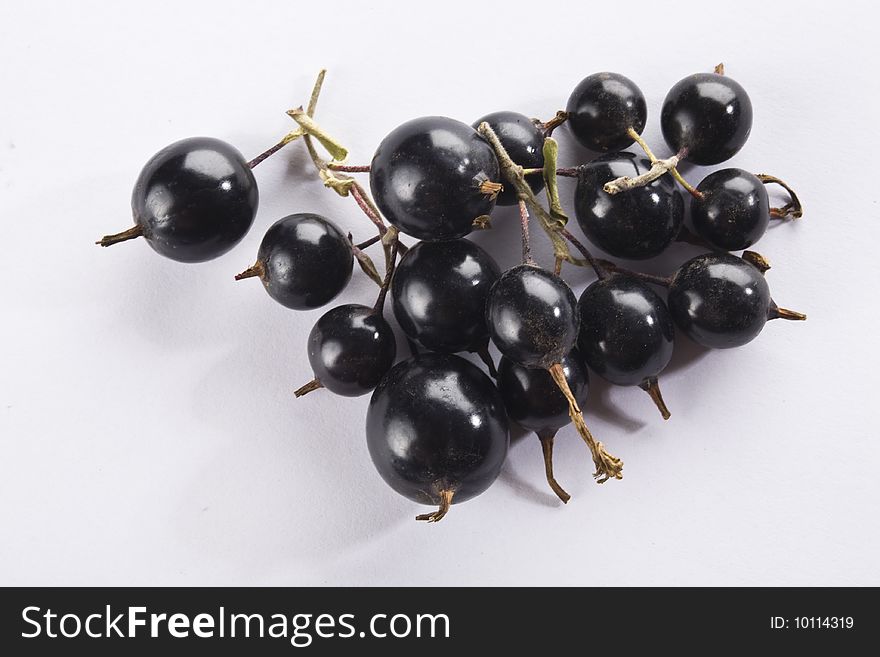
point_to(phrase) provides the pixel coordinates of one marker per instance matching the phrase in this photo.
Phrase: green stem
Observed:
(513, 174)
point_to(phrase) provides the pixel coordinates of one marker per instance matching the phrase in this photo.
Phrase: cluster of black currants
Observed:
(437, 425)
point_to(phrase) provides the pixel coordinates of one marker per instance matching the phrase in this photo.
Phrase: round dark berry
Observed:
(439, 293)
(636, 224)
(532, 316)
(733, 211)
(719, 300)
(351, 348)
(708, 114)
(602, 109)
(193, 201)
(304, 261)
(428, 177)
(437, 430)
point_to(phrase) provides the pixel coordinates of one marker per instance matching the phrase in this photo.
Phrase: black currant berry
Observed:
(437, 431)
(351, 348)
(709, 115)
(720, 300)
(304, 261)
(524, 142)
(532, 316)
(637, 224)
(431, 177)
(732, 211)
(626, 333)
(193, 201)
(533, 320)
(603, 108)
(534, 401)
(439, 293)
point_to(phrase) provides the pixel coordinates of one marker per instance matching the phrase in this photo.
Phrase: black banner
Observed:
(116, 621)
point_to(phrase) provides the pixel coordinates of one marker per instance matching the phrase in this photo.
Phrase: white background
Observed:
(148, 430)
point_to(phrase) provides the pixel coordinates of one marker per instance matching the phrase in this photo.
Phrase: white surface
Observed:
(148, 431)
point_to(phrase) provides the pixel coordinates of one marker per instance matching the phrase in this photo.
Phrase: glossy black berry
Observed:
(427, 177)
(439, 293)
(636, 224)
(734, 210)
(602, 109)
(720, 300)
(524, 142)
(532, 398)
(437, 430)
(708, 114)
(626, 333)
(193, 201)
(304, 261)
(351, 348)
(532, 316)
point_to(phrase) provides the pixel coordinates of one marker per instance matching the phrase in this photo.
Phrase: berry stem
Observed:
(365, 262)
(311, 386)
(289, 137)
(486, 357)
(308, 125)
(658, 169)
(257, 269)
(663, 281)
(445, 503)
(390, 263)
(625, 183)
(366, 243)
(576, 243)
(524, 227)
(547, 448)
(776, 312)
(756, 260)
(349, 168)
(563, 172)
(719, 68)
(339, 182)
(513, 174)
(366, 204)
(491, 188)
(607, 466)
(130, 234)
(651, 386)
(793, 209)
(551, 125)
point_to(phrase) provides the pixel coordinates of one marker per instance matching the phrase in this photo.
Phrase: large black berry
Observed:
(603, 108)
(193, 201)
(439, 293)
(437, 430)
(626, 333)
(636, 224)
(722, 301)
(532, 316)
(709, 115)
(431, 177)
